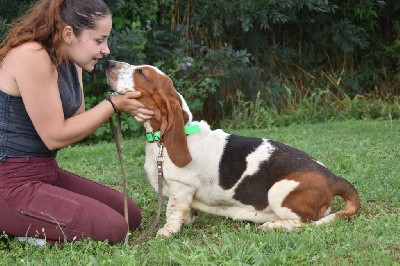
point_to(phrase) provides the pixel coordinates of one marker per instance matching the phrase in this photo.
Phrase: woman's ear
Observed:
(68, 34)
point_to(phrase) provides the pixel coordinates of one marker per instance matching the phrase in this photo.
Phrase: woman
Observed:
(42, 110)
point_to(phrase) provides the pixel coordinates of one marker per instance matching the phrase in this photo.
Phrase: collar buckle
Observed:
(153, 136)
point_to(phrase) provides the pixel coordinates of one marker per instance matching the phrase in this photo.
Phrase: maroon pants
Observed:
(39, 199)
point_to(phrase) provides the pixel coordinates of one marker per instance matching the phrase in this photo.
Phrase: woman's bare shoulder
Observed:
(29, 65)
(28, 51)
(30, 56)
(26, 60)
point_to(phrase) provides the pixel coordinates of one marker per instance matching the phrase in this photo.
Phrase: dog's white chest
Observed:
(202, 173)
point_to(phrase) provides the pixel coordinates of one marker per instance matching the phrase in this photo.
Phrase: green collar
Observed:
(189, 130)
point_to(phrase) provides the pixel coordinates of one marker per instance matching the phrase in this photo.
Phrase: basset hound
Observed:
(244, 178)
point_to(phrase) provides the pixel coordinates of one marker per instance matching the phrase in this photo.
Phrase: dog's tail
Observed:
(343, 188)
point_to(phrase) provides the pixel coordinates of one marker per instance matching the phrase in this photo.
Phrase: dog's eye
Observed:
(141, 72)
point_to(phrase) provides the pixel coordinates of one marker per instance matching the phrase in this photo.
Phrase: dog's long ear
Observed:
(172, 126)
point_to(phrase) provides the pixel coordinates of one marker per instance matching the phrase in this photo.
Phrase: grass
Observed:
(365, 152)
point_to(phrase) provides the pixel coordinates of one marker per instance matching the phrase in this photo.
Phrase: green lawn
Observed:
(365, 152)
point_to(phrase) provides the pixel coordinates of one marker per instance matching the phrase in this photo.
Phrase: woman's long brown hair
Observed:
(44, 22)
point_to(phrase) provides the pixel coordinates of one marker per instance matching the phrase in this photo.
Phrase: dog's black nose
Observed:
(110, 64)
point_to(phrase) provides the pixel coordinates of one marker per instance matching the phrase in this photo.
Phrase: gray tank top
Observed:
(18, 137)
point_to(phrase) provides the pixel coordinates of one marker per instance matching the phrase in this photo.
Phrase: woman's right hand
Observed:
(128, 103)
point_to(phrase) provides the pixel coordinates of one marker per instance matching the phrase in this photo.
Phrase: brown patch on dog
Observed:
(311, 198)
(159, 94)
(314, 195)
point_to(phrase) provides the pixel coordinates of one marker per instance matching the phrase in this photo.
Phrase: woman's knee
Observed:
(106, 224)
(134, 214)
(116, 231)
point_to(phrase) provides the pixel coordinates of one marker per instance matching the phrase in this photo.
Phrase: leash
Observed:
(116, 131)
(159, 159)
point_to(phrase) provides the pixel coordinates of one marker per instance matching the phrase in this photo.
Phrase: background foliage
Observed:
(276, 56)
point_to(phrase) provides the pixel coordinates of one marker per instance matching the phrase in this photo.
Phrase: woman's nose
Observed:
(105, 50)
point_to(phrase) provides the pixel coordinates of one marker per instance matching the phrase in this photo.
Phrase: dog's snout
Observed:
(110, 64)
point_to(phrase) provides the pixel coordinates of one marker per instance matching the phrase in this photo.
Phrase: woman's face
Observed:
(91, 45)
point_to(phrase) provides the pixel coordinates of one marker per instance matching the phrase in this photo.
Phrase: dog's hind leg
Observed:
(287, 225)
(302, 197)
(285, 218)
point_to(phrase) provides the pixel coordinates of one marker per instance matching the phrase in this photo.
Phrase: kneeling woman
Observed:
(42, 110)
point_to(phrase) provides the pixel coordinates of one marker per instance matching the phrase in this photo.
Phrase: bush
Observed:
(288, 59)
(3, 28)
(320, 106)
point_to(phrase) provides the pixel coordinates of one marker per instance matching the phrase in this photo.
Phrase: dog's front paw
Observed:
(168, 229)
(164, 232)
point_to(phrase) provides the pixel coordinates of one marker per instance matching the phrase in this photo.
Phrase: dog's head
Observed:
(159, 95)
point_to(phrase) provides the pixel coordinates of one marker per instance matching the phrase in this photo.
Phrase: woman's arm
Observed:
(36, 78)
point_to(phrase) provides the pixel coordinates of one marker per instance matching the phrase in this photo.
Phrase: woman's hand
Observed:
(128, 104)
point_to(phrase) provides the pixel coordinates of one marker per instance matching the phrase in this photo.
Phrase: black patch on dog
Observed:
(286, 160)
(233, 162)
(253, 190)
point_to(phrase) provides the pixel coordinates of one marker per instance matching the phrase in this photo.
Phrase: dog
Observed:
(244, 178)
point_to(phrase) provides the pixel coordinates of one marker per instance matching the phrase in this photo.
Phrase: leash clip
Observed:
(160, 157)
